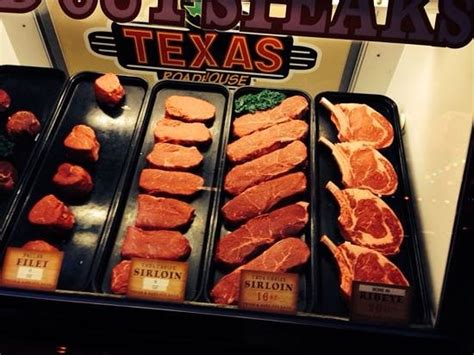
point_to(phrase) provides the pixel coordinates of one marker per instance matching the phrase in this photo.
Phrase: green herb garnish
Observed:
(264, 100)
(6, 147)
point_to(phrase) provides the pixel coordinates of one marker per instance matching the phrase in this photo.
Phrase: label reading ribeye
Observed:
(268, 292)
(160, 280)
(379, 303)
(31, 269)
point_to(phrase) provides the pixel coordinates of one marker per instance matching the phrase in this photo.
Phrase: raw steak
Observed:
(285, 255)
(189, 109)
(51, 212)
(82, 144)
(73, 180)
(366, 220)
(39, 245)
(265, 168)
(360, 123)
(362, 264)
(162, 213)
(160, 244)
(263, 142)
(23, 124)
(5, 100)
(8, 176)
(260, 232)
(364, 167)
(120, 276)
(291, 108)
(159, 182)
(108, 89)
(174, 157)
(173, 131)
(263, 197)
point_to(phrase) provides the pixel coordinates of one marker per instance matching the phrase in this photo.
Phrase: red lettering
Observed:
(238, 54)
(17, 6)
(78, 9)
(121, 11)
(203, 55)
(274, 60)
(139, 36)
(165, 49)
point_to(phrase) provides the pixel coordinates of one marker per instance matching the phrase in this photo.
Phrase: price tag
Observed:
(379, 303)
(268, 292)
(160, 280)
(31, 269)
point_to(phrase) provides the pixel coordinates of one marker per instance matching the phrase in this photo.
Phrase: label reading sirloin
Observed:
(31, 269)
(268, 292)
(379, 303)
(160, 280)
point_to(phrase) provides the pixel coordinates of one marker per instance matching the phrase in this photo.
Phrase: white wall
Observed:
(433, 87)
(7, 54)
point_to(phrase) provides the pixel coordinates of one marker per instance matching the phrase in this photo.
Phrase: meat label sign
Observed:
(159, 280)
(31, 269)
(379, 303)
(268, 292)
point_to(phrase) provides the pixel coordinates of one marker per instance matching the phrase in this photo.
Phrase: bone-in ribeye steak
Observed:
(260, 232)
(363, 264)
(360, 123)
(265, 168)
(163, 182)
(263, 142)
(293, 107)
(364, 167)
(263, 197)
(174, 157)
(366, 220)
(285, 255)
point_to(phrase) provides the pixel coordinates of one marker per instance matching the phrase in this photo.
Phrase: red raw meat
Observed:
(5, 100)
(8, 176)
(108, 89)
(177, 132)
(189, 109)
(363, 264)
(51, 212)
(39, 245)
(285, 255)
(364, 167)
(159, 182)
(174, 157)
(73, 180)
(23, 124)
(360, 123)
(120, 276)
(82, 144)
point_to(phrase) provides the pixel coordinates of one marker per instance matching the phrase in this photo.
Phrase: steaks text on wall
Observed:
(406, 22)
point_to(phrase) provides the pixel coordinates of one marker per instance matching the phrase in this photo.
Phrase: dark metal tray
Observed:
(116, 131)
(32, 89)
(215, 272)
(328, 299)
(199, 230)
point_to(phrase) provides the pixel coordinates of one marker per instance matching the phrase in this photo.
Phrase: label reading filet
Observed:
(31, 269)
(268, 292)
(378, 303)
(160, 280)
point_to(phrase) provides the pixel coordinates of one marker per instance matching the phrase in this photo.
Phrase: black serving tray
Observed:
(32, 89)
(215, 272)
(328, 299)
(199, 230)
(116, 130)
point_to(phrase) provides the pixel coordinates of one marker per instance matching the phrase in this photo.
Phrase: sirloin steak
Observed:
(120, 275)
(285, 255)
(237, 247)
(177, 132)
(174, 157)
(158, 182)
(189, 109)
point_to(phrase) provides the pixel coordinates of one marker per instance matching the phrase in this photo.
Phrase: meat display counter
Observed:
(275, 193)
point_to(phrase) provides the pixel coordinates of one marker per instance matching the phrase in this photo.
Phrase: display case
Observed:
(279, 171)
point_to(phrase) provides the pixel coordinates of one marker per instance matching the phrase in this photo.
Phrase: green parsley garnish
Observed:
(264, 100)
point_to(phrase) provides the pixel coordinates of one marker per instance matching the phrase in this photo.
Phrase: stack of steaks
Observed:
(168, 186)
(266, 187)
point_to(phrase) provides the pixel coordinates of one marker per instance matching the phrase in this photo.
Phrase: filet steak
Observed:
(108, 89)
(162, 213)
(263, 142)
(8, 176)
(360, 123)
(51, 212)
(285, 255)
(189, 109)
(174, 157)
(364, 167)
(263, 197)
(120, 276)
(174, 131)
(23, 125)
(162, 182)
(73, 180)
(362, 264)
(265, 168)
(291, 108)
(82, 144)
(39, 245)
(157, 244)
(5, 100)
(259, 233)
(366, 220)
